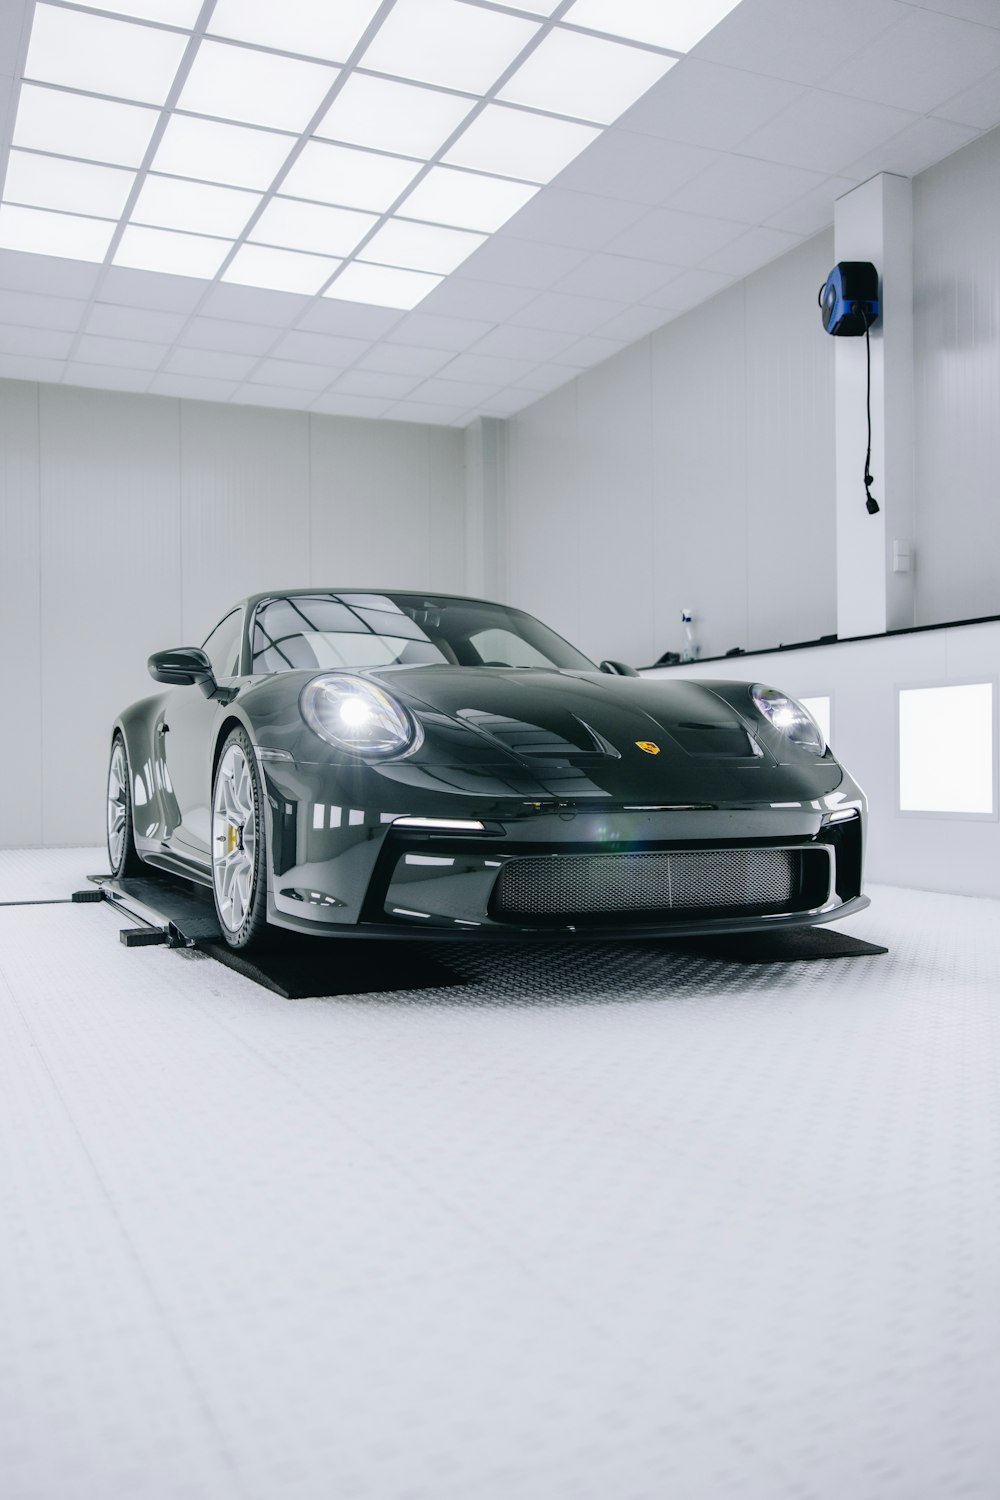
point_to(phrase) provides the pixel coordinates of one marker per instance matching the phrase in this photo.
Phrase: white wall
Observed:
(956, 216)
(129, 523)
(695, 468)
(933, 853)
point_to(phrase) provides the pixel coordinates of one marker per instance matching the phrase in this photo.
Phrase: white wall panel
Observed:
(20, 615)
(956, 210)
(543, 523)
(110, 589)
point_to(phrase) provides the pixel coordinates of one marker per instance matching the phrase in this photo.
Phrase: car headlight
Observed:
(354, 714)
(788, 716)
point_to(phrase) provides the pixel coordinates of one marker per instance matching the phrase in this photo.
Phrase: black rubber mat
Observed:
(306, 968)
(793, 946)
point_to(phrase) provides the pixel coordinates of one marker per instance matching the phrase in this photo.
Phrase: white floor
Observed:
(604, 1224)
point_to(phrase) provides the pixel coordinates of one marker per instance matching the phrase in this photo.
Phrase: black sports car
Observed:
(390, 764)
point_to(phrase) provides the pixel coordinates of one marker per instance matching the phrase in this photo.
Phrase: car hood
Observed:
(593, 734)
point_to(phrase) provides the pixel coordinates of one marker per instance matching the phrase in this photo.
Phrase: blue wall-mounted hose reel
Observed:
(849, 299)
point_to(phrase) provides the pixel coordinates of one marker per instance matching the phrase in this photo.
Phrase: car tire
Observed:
(122, 853)
(239, 860)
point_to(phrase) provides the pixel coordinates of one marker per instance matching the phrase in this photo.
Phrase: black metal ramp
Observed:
(790, 946)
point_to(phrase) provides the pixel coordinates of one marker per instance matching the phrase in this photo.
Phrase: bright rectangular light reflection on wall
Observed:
(43, 233)
(572, 74)
(659, 23)
(76, 187)
(820, 710)
(946, 749)
(100, 56)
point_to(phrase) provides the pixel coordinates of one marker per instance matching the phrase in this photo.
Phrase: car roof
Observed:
(252, 600)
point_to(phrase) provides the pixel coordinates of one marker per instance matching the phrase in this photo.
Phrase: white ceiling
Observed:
(736, 155)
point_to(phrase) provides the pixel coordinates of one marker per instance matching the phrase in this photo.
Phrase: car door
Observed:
(186, 733)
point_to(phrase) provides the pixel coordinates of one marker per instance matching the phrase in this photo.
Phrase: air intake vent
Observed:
(686, 880)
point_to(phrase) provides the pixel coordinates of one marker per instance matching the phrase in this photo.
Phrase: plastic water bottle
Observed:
(689, 646)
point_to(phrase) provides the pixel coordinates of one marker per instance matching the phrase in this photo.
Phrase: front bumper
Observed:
(355, 871)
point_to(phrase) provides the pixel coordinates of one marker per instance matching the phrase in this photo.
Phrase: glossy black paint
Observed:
(548, 760)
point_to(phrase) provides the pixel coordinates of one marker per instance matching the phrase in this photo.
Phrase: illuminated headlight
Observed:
(794, 722)
(354, 714)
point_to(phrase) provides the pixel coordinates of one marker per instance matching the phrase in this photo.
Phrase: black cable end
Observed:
(873, 506)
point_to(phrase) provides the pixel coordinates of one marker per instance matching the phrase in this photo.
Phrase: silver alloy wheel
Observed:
(234, 838)
(117, 804)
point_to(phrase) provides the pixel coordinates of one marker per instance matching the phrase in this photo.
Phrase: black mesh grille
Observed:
(590, 885)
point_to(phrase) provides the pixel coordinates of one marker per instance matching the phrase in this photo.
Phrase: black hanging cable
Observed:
(870, 501)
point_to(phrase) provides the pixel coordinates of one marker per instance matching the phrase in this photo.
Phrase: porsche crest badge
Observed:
(649, 746)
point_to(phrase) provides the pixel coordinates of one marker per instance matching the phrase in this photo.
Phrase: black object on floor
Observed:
(791, 946)
(305, 968)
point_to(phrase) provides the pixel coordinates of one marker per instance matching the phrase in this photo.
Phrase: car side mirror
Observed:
(618, 669)
(182, 666)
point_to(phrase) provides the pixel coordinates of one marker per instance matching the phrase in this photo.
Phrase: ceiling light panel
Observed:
(466, 200)
(421, 247)
(80, 51)
(381, 286)
(387, 116)
(447, 43)
(312, 227)
(354, 179)
(65, 235)
(71, 186)
(518, 143)
(254, 87)
(196, 207)
(51, 120)
(279, 270)
(585, 76)
(170, 12)
(145, 249)
(329, 29)
(677, 24)
(233, 155)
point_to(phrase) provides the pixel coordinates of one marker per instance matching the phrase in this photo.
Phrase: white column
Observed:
(486, 507)
(875, 222)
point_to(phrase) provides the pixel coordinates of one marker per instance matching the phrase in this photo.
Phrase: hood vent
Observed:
(534, 743)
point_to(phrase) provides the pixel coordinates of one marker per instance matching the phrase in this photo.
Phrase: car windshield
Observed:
(319, 631)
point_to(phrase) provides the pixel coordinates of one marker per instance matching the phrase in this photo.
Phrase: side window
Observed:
(223, 645)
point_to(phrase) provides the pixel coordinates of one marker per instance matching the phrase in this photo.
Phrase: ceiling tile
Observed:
(192, 388)
(154, 289)
(639, 168)
(914, 149)
(506, 403)
(130, 353)
(432, 332)
(582, 221)
(920, 62)
(253, 305)
(286, 372)
(590, 351)
(350, 318)
(428, 414)
(675, 239)
(36, 311)
(566, 314)
(750, 190)
(751, 251)
(524, 343)
(209, 363)
(485, 369)
(106, 377)
(794, 39)
(27, 367)
(328, 349)
(545, 378)
(289, 398)
(621, 278)
(632, 323)
(824, 131)
(45, 343)
(978, 106)
(404, 359)
(461, 297)
(228, 337)
(814, 210)
(440, 392)
(46, 275)
(118, 322)
(376, 383)
(514, 262)
(701, 104)
(689, 288)
(985, 11)
(339, 404)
